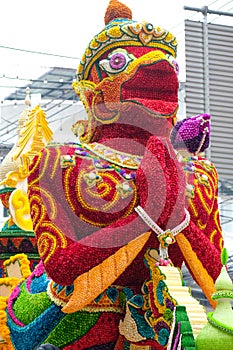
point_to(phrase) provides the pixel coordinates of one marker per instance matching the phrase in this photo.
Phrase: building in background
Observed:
(209, 86)
(209, 89)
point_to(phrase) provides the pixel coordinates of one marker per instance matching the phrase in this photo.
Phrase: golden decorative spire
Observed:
(36, 131)
(33, 135)
(10, 164)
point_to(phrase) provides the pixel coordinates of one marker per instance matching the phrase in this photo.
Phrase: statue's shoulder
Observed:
(52, 157)
(206, 172)
(55, 149)
(52, 146)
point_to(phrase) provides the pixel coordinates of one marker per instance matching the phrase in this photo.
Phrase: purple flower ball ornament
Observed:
(192, 134)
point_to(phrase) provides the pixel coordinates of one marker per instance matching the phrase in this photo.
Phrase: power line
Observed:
(38, 52)
(45, 81)
(48, 118)
(205, 10)
(195, 14)
(15, 123)
(229, 2)
(9, 131)
(31, 87)
(190, 17)
(77, 58)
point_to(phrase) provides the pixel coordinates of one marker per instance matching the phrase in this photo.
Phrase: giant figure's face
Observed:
(129, 77)
(128, 74)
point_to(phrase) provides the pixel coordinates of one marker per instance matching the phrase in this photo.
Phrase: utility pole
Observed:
(211, 12)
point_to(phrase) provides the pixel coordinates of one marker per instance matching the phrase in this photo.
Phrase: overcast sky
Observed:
(66, 27)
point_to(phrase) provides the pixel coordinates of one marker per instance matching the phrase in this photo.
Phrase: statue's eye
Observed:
(116, 61)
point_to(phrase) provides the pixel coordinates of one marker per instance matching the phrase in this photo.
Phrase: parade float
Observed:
(118, 212)
(18, 245)
(16, 237)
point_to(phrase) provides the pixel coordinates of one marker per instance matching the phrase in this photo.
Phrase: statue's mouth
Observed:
(149, 83)
(154, 87)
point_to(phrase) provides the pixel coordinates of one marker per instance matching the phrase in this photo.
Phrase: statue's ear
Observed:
(20, 209)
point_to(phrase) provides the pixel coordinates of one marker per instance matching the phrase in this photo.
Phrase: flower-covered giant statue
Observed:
(116, 211)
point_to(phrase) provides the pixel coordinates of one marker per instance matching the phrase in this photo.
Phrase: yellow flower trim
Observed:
(201, 225)
(94, 44)
(2, 303)
(212, 235)
(151, 56)
(47, 244)
(83, 59)
(43, 167)
(193, 208)
(216, 218)
(49, 198)
(80, 68)
(8, 281)
(114, 32)
(88, 52)
(203, 201)
(169, 37)
(4, 330)
(102, 37)
(24, 264)
(5, 333)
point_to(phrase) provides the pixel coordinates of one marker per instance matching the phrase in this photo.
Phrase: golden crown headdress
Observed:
(121, 30)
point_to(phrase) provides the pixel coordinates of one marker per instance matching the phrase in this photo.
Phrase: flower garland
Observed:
(165, 237)
(5, 344)
(106, 158)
